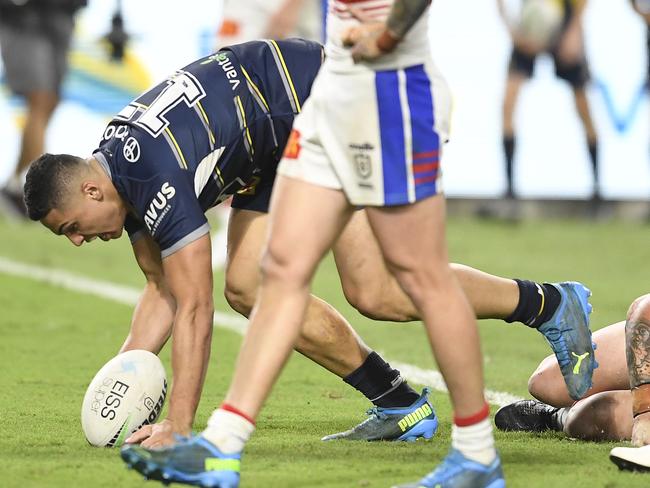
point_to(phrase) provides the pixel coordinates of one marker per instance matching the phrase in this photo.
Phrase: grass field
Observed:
(54, 340)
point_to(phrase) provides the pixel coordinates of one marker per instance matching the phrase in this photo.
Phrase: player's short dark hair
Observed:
(47, 182)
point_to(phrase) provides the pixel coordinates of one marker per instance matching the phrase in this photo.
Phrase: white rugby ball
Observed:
(127, 393)
(541, 20)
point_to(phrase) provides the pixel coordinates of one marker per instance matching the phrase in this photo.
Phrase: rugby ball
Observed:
(127, 393)
(540, 21)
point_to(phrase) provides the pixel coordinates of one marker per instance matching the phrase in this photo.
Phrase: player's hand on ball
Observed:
(155, 435)
(641, 430)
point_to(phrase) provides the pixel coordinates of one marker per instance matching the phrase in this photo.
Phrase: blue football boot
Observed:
(193, 462)
(456, 471)
(567, 331)
(394, 424)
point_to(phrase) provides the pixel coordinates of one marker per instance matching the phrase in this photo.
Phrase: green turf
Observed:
(53, 341)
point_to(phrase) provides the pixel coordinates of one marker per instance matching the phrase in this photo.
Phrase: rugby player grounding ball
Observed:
(127, 393)
(540, 21)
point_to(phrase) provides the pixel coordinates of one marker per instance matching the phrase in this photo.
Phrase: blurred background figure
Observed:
(34, 40)
(553, 27)
(117, 36)
(245, 20)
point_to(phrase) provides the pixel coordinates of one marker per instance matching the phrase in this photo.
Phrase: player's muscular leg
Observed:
(420, 264)
(605, 416)
(373, 290)
(326, 338)
(298, 239)
(367, 284)
(546, 383)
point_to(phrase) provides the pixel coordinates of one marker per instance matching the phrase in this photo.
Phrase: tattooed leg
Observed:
(637, 348)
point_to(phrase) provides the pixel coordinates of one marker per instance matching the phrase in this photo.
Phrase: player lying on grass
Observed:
(618, 405)
(218, 128)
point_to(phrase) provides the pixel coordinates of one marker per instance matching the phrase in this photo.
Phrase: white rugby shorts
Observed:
(376, 135)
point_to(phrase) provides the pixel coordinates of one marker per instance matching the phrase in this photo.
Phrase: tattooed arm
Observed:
(402, 16)
(372, 39)
(637, 348)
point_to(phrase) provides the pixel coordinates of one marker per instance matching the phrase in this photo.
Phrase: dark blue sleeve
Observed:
(134, 227)
(162, 196)
(170, 210)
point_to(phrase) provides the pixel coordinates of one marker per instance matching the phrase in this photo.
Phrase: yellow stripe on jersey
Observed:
(207, 122)
(178, 149)
(218, 171)
(245, 124)
(286, 71)
(257, 90)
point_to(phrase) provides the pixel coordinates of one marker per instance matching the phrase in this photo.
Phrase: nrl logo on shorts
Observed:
(362, 160)
(363, 165)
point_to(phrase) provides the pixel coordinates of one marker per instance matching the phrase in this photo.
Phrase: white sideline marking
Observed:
(129, 296)
(432, 378)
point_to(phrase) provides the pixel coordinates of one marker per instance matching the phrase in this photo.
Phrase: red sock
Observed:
(473, 419)
(229, 408)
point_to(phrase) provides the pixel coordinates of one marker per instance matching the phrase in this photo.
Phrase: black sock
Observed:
(509, 151)
(593, 156)
(381, 384)
(534, 309)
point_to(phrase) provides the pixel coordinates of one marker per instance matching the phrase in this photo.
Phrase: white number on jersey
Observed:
(181, 87)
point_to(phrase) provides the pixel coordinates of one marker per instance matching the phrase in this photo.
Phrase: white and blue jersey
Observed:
(214, 129)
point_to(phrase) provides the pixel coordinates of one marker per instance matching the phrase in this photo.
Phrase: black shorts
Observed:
(577, 74)
(256, 197)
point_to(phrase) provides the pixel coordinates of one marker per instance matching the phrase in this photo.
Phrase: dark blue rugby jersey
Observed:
(205, 134)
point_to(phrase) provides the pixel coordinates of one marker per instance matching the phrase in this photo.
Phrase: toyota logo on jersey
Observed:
(131, 150)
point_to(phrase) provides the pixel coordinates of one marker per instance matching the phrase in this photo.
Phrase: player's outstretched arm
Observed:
(153, 317)
(637, 347)
(188, 273)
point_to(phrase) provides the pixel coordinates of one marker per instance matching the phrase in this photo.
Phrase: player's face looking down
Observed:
(86, 214)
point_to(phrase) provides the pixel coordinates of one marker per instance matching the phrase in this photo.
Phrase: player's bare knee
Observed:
(240, 298)
(547, 385)
(277, 266)
(370, 301)
(639, 311)
(422, 284)
(362, 299)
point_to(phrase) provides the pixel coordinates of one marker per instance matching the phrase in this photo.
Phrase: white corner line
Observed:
(129, 296)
